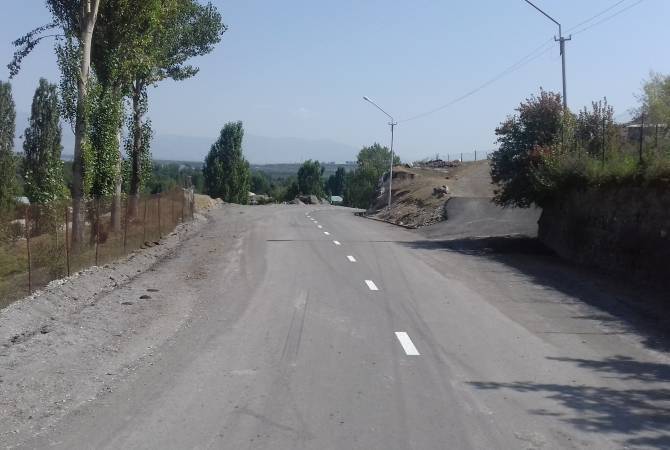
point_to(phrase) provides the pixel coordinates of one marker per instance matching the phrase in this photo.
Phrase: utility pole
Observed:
(392, 123)
(561, 40)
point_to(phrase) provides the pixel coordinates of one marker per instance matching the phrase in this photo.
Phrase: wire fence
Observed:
(38, 243)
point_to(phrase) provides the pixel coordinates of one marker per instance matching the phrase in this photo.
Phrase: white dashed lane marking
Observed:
(351, 258)
(319, 226)
(371, 285)
(336, 242)
(407, 344)
(326, 233)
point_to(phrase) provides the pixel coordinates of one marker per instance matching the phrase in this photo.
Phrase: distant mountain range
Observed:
(257, 149)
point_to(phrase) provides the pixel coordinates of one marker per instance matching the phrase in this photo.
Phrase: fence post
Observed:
(160, 232)
(475, 155)
(30, 269)
(173, 222)
(144, 233)
(183, 201)
(125, 226)
(67, 241)
(461, 156)
(641, 136)
(97, 227)
(604, 142)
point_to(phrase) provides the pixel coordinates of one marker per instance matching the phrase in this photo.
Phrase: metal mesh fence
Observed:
(43, 242)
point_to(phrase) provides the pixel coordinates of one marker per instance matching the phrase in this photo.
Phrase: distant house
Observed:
(336, 200)
(651, 130)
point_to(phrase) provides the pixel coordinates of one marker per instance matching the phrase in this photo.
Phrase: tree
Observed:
(655, 99)
(335, 182)
(309, 178)
(7, 159)
(260, 183)
(227, 173)
(77, 20)
(42, 166)
(522, 138)
(192, 30)
(595, 128)
(361, 184)
(376, 157)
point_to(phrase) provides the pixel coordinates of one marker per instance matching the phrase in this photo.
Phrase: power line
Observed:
(529, 57)
(610, 17)
(604, 11)
(513, 68)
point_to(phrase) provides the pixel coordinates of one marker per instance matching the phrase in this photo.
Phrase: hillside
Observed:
(452, 201)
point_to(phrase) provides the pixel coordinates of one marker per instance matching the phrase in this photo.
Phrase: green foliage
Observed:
(227, 174)
(335, 183)
(42, 165)
(655, 99)
(565, 171)
(537, 125)
(542, 156)
(146, 135)
(68, 54)
(7, 158)
(26, 44)
(595, 128)
(360, 185)
(309, 178)
(377, 158)
(166, 176)
(101, 158)
(260, 183)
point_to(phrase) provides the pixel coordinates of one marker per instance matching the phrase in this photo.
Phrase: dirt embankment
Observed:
(420, 194)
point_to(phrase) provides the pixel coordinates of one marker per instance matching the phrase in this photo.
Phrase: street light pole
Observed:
(561, 40)
(392, 123)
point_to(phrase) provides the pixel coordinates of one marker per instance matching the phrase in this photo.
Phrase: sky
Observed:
(299, 68)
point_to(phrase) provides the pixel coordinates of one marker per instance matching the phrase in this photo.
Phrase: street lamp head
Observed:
(365, 97)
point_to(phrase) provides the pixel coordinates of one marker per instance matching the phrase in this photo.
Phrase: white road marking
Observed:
(320, 226)
(351, 258)
(316, 221)
(336, 242)
(371, 285)
(407, 343)
(326, 233)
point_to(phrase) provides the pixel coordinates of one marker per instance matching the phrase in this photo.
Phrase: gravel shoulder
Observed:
(66, 344)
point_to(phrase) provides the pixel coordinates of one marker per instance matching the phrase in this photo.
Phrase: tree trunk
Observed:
(136, 154)
(89, 15)
(116, 203)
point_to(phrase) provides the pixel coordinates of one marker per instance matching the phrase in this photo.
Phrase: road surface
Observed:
(311, 328)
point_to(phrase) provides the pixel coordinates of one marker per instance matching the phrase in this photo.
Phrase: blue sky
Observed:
(299, 68)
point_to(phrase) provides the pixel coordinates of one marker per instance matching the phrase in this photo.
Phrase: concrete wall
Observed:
(622, 230)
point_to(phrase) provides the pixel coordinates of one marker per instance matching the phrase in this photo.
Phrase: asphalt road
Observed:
(311, 328)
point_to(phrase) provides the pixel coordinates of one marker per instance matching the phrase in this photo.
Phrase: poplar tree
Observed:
(7, 159)
(227, 174)
(191, 30)
(42, 166)
(76, 19)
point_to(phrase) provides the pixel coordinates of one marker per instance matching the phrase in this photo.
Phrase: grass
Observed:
(572, 170)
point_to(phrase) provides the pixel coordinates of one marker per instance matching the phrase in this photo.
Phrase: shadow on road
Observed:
(641, 414)
(637, 309)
